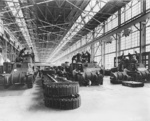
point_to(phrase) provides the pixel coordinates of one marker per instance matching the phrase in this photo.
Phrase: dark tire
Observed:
(132, 84)
(81, 79)
(43, 85)
(65, 103)
(29, 80)
(6, 81)
(100, 79)
(61, 89)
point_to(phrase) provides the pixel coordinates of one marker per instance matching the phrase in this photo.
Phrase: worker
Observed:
(88, 56)
(22, 52)
(21, 55)
(130, 57)
(32, 54)
(74, 58)
(78, 57)
(137, 55)
(133, 59)
(121, 61)
(1, 57)
(134, 63)
(74, 74)
(126, 62)
(83, 57)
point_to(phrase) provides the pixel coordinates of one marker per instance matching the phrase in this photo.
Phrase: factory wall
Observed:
(109, 39)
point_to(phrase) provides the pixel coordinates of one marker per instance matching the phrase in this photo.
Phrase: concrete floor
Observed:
(99, 103)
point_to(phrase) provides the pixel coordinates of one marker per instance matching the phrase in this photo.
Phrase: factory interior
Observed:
(78, 60)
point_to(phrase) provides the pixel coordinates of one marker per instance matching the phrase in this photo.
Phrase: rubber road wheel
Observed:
(29, 80)
(114, 78)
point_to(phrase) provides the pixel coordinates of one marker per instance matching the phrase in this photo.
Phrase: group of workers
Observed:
(81, 57)
(128, 60)
(23, 54)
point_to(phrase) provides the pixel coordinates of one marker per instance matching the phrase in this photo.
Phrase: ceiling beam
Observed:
(27, 6)
(17, 22)
(82, 10)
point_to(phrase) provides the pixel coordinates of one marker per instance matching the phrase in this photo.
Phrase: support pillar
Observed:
(118, 39)
(103, 54)
(118, 47)
(92, 53)
(5, 58)
(103, 48)
(142, 31)
(92, 48)
(142, 39)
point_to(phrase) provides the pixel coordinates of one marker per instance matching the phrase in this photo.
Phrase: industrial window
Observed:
(109, 60)
(89, 37)
(69, 50)
(148, 36)
(111, 22)
(83, 40)
(131, 51)
(110, 47)
(132, 9)
(148, 48)
(97, 49)
(136, 7)
(147, 4)
(98, 59)
(98, 31)
(88, 49)
(78, 44)
(73, 47)
(128, 12)
(133, 40)
(122, 14)
(91, 9)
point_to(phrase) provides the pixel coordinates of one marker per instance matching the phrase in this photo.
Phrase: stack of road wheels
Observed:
(60, 93)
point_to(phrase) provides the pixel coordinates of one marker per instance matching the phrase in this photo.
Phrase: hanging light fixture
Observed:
(109, 40)
(127, 32)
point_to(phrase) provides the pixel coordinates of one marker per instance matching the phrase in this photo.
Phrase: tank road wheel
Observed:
(148, 76)
(100, 79)
(120, 75)
(6, 82)
(80, 79)
(43, 85)
(114, 78)
(132, 84)
(93, 79)
(29, 82)
(65, 103)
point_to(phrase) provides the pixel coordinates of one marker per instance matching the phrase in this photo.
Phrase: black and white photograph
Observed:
(74, 60)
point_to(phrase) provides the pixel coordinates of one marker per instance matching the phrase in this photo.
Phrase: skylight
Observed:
(91, 9)
(17, 12)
